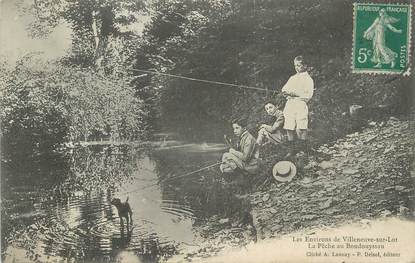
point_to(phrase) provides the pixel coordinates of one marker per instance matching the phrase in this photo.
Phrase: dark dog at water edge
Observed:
(124, 210)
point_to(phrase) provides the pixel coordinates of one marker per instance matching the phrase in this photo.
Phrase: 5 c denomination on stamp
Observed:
(381, 38)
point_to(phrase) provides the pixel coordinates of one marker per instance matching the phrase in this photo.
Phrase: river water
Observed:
(58, 207)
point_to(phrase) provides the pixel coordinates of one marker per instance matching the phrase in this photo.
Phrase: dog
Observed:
(124, 210)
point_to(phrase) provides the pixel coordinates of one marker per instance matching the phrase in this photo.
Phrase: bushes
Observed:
(253, 43)
(32, 117)
(47, 103)
(102, 107)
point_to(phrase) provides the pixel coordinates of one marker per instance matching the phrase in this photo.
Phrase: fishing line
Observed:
(165, 179)
(174, 177)
(200, 80)
(186, 174)
(193, 172)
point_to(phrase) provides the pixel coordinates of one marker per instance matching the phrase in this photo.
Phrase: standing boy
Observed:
(298, 90)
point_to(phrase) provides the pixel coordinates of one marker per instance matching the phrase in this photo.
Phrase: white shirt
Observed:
(301, 84)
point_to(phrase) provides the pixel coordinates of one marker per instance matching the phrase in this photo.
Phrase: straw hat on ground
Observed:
(284, 171)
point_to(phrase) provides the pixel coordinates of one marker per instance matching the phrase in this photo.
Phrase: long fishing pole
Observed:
(174, 177)
(200, 80)
(227, 142)
(193, 172)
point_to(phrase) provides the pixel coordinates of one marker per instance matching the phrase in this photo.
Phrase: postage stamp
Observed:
(382, 38)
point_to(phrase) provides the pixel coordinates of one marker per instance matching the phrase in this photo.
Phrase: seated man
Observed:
(272, 133)
(246, 155)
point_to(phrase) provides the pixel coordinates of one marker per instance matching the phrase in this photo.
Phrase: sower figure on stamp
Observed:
(246, 154)
(298, 91)
(376, 32)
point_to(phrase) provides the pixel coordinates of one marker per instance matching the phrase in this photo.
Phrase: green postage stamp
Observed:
(382, 38)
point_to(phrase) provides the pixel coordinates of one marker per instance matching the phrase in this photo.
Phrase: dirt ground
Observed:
(366, 175)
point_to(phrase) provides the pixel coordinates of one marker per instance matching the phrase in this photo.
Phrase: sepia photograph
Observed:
(162, 131)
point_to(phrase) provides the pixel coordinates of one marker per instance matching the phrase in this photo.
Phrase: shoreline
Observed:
(364, 176)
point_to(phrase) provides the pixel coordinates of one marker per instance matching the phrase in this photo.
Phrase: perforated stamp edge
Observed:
(410, 32)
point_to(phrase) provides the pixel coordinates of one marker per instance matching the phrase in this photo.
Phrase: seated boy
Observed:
(246, 154)
(272, 133)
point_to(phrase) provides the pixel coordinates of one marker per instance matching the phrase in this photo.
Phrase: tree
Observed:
(176, 41)
(253, 43)
(46, 104)
(95, 23)
(32, 103)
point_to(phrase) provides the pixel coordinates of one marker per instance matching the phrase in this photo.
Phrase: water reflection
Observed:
(71, 216)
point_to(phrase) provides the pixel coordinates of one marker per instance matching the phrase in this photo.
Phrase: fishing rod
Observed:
(174, 177)
(193, 172)
(200, 80)
(227, 142)
(188, 174)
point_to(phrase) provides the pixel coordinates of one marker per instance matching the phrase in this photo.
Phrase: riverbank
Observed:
(366, 175)
(362, 177)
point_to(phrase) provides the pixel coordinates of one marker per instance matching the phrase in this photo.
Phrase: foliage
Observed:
(239, 42)
(103, 106)
(171, 43)
(253, 43)
(31, 116)
(99, 168)
(95, 24)
(46, 104)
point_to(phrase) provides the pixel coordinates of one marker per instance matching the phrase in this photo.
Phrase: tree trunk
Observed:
(98, 41)
(36, 8)
(95, 30)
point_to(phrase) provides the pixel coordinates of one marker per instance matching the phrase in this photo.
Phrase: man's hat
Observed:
(284, 171)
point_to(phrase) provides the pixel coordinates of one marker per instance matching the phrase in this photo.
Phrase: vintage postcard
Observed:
(207, 131)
